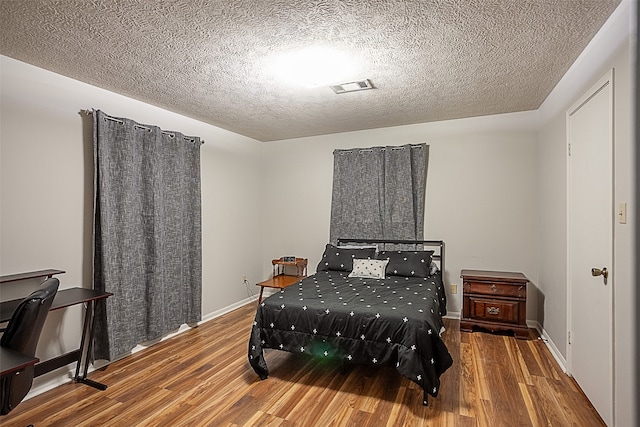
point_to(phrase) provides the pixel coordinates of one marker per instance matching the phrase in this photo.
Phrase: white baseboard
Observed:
(228, 309)
(67, 375)
(550, 345)
(455, 315)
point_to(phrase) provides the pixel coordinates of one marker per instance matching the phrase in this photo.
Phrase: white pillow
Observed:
(369, 268)
(433, 268)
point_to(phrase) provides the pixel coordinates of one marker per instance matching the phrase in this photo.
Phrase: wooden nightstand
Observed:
(280, 277)
(494, 300)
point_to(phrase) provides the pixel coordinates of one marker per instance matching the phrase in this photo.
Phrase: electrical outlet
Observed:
(454, 289)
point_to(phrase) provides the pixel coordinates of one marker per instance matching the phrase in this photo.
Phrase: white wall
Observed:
(46, 188)
(611, 48)
(480, 199)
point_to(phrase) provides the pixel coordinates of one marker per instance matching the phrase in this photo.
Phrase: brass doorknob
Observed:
(600, 272)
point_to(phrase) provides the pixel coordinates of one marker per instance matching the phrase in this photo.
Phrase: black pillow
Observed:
(407, 263)
(341, 259)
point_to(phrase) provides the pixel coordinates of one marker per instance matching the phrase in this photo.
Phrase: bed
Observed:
(366, 304)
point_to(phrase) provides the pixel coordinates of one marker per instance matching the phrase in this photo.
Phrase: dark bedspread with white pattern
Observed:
(396, 321)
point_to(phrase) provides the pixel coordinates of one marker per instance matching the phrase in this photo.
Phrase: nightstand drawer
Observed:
(495, 289)
(494, 310)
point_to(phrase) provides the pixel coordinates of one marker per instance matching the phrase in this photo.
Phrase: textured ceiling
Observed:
(429, 60)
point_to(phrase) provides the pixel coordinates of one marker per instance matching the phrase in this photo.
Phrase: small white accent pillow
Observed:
(433, 268)
(369, 268)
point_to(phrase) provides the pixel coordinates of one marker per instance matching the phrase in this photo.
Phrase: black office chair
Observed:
(22, 334)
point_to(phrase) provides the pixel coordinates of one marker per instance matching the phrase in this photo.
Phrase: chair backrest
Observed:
(24, 327)
(22, 335)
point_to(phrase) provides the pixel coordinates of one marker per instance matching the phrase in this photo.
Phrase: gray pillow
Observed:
(341, 259)
(407, 263)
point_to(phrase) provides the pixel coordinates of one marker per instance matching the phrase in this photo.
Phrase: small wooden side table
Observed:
(494, 300)
(281, 279)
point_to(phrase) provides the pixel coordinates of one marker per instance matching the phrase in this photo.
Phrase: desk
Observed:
(31, 275)
(12, 361)
(64, 298)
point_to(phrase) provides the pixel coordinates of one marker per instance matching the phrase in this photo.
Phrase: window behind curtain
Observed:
(379, 192)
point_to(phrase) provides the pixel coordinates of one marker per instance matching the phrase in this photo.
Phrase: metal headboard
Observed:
(438, 255)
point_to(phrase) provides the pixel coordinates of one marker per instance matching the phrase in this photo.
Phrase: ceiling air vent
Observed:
(352, 86)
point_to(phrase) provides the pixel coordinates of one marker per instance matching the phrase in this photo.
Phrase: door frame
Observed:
(606, 81)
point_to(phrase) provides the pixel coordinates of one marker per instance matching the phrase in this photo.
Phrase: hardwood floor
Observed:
(202, 378)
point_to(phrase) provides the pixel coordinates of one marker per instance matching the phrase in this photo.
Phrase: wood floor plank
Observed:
(318, 399)
(533, 367)
(397, 413)
(385, 401)
(263, 419)
(467, 382)
(144, 405)
(201, 377)
(518, 363)
(547, 365)
(168, 415)
(541, 395)
(533, 410)
(453, 340)
(579, 414)
(482, 369)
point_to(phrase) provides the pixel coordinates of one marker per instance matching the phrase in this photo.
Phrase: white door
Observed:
(590, 245)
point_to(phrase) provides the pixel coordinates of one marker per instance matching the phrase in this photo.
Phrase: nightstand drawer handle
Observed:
(493, 310)
(494, 288)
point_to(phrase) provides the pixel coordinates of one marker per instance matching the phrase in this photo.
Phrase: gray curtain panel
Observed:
(379, 193)
(147, 233)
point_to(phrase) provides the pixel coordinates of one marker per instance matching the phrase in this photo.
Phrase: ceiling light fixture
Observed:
(352, 86)
(314, 66)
